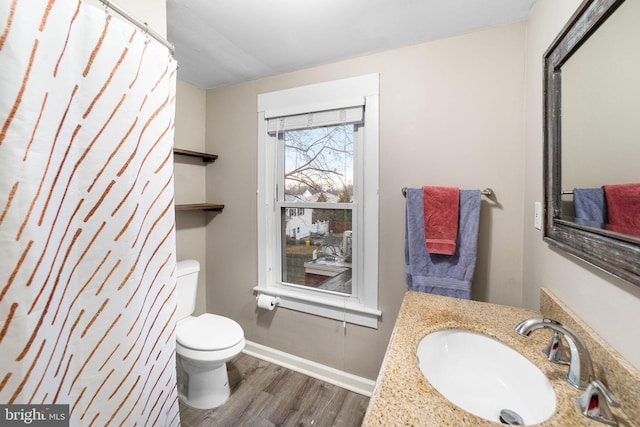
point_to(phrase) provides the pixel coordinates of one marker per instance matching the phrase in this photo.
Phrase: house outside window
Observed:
(318, 198)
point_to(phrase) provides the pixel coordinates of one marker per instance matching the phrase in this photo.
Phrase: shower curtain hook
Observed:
(107, 7)
(146, 33)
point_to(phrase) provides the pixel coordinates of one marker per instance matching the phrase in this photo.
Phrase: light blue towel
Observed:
(590, 207)
(448, 275)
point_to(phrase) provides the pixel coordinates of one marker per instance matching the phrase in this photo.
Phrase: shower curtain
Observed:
(87, 239)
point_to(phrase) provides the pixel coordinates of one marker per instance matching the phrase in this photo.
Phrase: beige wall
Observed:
(452, 113)
(610, 306)
(189, 179)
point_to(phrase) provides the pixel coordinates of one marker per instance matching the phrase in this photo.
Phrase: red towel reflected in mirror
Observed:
(623, 205)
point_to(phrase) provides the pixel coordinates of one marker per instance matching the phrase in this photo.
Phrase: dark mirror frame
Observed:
(616, 253)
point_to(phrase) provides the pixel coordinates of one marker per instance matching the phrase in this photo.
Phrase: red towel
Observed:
(623, 205)
(441, 207)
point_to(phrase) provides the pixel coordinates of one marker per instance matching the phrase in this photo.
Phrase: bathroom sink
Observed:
(484, 376)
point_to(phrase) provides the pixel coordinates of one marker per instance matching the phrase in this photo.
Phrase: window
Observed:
(318, 198)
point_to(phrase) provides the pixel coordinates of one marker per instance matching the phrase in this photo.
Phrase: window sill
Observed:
(332, 309)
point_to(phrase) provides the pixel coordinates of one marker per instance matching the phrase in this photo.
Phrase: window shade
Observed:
(316, 119)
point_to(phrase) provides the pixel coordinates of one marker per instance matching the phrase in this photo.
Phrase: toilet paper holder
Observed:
(267, 302)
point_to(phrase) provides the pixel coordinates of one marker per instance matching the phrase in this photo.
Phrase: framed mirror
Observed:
(592, 137)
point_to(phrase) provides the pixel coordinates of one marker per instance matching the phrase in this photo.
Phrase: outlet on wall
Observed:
(537, 215)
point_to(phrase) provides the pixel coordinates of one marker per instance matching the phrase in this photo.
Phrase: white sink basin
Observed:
(483, 376)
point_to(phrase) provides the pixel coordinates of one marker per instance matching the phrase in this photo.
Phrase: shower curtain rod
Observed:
(142, 25)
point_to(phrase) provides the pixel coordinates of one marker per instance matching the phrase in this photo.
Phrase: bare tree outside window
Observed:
(319, 160)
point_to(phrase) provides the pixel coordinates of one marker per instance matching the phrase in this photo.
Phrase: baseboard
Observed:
(316, 370)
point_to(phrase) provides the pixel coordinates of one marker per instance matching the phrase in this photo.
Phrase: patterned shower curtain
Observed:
(87, 239)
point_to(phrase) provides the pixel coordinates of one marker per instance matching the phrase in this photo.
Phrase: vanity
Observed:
(403, 396)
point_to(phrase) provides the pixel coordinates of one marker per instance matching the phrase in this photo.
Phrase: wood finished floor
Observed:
(264, 394)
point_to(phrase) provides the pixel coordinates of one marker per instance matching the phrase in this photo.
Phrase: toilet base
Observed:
(202, 388)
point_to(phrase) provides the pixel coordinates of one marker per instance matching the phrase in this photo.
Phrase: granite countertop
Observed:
(403, 397)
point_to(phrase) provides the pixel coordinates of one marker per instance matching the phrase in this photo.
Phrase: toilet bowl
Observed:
(204, 345)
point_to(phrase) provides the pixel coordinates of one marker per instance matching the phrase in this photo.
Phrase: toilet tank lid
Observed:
(188, 266)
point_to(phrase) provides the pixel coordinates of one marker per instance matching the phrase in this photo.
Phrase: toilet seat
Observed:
(208, 332)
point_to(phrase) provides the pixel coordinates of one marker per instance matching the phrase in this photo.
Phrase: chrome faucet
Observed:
(580, 373)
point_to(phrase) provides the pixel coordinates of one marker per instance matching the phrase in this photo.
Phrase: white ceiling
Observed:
(220, 42)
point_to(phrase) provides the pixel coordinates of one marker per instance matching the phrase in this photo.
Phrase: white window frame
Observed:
(361, 307)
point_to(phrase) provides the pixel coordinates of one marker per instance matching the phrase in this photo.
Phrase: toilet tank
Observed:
(187, 287)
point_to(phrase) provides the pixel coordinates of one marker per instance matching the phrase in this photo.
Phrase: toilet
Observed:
(204, 345)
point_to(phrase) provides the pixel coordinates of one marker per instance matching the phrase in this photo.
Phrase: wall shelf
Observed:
(206, 157)
(200, 207)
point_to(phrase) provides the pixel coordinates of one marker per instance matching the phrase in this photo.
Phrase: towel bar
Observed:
(486, 192)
